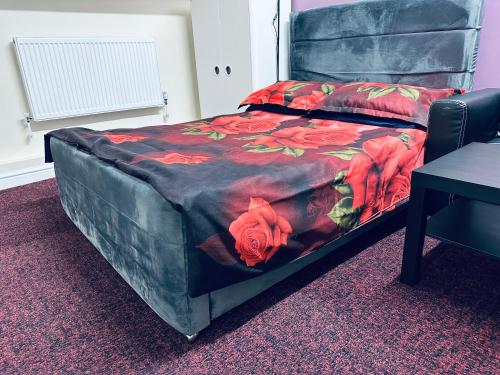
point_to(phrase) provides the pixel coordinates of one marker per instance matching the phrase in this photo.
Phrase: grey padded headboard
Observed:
(432, 43)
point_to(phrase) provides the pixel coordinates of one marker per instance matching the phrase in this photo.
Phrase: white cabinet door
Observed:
(236, 52)
(207, 42)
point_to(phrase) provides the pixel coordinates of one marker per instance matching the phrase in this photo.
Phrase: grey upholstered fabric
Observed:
(430, 43)
(136, 230)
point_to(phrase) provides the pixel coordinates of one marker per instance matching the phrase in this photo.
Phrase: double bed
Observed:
(200, 217)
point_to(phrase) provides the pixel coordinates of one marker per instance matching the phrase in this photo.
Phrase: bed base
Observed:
(135, 229)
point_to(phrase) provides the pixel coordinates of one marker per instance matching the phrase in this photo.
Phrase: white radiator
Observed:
(69, 77)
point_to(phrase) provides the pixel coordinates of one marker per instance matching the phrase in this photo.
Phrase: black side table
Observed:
(471, 221)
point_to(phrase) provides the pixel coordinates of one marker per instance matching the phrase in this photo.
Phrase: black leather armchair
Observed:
(462, 119)
(458, 121)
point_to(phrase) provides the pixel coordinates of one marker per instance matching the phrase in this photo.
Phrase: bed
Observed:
(200, 217)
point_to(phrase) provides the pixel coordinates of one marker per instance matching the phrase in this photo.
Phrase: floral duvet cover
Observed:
(257, 189)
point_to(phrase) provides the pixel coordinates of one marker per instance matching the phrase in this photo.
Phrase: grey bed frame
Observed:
(427, 42)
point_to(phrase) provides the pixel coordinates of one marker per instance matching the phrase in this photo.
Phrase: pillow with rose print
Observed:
(303, 95)
(383, 100)
(394, 101)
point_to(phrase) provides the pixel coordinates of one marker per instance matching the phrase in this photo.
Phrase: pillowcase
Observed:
(304, 95)
(394, 101)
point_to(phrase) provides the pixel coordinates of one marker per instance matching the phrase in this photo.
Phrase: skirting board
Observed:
(26, 176)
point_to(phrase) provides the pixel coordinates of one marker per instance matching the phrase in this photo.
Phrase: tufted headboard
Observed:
(432, 43)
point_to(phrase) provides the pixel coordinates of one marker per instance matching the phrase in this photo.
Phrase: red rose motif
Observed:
(176, 158)
(284, 86)
(179, 138)
(380, 176)
(307, 138)
(258, 97)
(307, 102)
(277, 96)
(264, 96)
(320, 203)
(259, 233)
(274, 94)
(122, 138)
(273, 116)
(318, 123)
(238, 125)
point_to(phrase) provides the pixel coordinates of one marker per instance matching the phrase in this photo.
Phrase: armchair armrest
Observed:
(455, 122)
(462, 119)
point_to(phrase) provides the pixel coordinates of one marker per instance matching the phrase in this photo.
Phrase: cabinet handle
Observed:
(229, 70)
(217, 70)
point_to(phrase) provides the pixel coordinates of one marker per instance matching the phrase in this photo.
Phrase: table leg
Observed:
(415, 235)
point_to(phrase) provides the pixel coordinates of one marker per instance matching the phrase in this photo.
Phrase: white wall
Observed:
(168, 21)
(180, 7)
(264, 41)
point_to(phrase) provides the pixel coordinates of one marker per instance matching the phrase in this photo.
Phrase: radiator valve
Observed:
(165, 105)
(27, 123)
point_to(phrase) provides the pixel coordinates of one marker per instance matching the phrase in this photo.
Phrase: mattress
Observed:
(252, 191)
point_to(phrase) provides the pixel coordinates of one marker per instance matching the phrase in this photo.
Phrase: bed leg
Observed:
(192, 338)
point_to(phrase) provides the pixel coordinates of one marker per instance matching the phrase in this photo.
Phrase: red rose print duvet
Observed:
(257, 190)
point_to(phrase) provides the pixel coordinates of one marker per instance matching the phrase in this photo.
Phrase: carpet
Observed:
(63, 309)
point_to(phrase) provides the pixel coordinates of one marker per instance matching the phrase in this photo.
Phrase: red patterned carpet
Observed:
(64, 310)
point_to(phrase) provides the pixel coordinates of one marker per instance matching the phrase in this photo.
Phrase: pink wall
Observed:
(488, 67)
